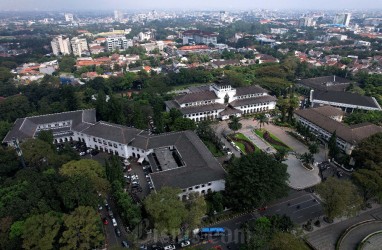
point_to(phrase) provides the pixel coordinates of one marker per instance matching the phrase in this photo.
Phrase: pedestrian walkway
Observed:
(255, 139)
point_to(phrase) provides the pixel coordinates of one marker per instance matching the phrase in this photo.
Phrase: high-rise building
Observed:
(306, 22)
(342, 19)
(118, 42)
(118, 15)
(79, 46)
(69, 17)
(61, 45)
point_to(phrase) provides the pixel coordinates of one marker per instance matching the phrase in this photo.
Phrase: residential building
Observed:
(154, 45)
(199, 37)
(61, 45)
(342, 19)
(360, 43)
(220, 101)
(118, 42)
(69, 17)
(118, 15)
(325, 83)
(179, 159)
(306, 22)
(145, 36)
(79, 46)
(324, 121)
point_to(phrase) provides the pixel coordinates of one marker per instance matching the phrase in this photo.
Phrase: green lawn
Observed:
(243, 137)
(213, 149)
(241, 146)
(260, 132)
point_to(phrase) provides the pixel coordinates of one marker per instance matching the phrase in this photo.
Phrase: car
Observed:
(340, 174)
(114, 222)
(169, 247)
(263, 208)
(143, 247)
(125, 244)
(111, 215)
(89, 151)
(99, 207)
(117, 232)
(82, 153)
(105, 221)
(185, 243)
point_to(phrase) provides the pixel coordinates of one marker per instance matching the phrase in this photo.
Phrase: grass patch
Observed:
(243, 137)
(241, 146)
(213, 149)
(277, 144)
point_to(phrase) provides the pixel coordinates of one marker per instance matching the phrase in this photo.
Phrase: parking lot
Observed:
(328, 169)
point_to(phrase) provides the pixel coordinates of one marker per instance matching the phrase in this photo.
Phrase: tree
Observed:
(307, 158)
(4, 128)
(78, 190)
(235, 124)
(281, 154)
(83, 230)
(293, 103)
(113, 169)
(339, 198)
(90, 169)
(197, 208)
(40, 231)
(67, 64)
(313, 148)
(38, 154)
(263, 119)
(332, 145)
(367, 154)
(166, 210)
(369, 183)
(181, 124)
(214, 203)
(46, 136)
(258, 234)
(253, 180)
(286, 241)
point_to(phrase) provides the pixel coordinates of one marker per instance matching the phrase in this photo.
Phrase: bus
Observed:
(211, 231)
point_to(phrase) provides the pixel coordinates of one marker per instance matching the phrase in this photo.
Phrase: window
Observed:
(94, 139)
(190, 188)
(209, 183)
(196, 187)
(203, 186)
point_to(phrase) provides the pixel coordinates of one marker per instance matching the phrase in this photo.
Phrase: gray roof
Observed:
(201, 167)
(113, 132)
(253, 100)
(254, 89)
(329, 111)
(347, 133)
(333, 83)
(196, 96)
(230, 111)
(345, 98)
(195, 109)
(25, 128)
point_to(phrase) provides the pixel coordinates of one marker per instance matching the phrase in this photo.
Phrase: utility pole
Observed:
(19, 151)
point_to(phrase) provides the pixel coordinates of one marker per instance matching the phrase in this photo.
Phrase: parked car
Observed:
(114, 222)
(105, 221)
(185, 243)
(117, 232)
(82, 153)
(169, 247)
(125, 244)
(111, 215)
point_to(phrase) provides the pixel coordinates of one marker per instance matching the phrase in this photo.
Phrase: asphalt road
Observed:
(308, 209)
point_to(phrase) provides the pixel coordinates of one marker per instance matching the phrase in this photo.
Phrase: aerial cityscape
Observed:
(204, 125)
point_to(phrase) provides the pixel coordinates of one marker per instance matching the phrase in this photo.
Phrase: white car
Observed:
(114, 222)
(185, 243)
(170, 247)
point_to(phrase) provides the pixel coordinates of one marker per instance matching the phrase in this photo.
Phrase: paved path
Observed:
(373, 243)
(300, 177)
(355, 236)
(326, 237)
(255, 139)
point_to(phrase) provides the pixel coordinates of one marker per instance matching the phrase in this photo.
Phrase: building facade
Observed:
(118, 42)
(220, 101)
(342, 19)
(324, 121)
(61, 46)
(79, 46)
(198, 37)
(178, 159)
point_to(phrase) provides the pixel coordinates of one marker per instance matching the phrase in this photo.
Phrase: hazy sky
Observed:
(188, 4)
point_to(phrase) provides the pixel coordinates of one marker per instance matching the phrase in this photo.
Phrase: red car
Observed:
(105, 221)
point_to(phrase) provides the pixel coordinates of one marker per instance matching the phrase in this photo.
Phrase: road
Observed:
(308, 209)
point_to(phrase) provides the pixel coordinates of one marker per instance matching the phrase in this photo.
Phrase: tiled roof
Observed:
(334, 83)
(195, 97)
(25, 128)
(254, 89)
(253, 100)
(230, 111)
(200, 165)
(345, 98)
(329, 111)
(347, 133)
(202, 108)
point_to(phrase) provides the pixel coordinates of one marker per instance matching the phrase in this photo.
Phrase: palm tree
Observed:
(263, 119)
(235, 123)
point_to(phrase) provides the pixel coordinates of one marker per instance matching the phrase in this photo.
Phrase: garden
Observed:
(245, 145)
(272, 140)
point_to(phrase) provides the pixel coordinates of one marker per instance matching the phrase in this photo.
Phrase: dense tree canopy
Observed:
(254, 180)
(368, 153)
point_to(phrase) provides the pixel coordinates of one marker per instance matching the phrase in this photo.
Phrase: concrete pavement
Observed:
(300, 177)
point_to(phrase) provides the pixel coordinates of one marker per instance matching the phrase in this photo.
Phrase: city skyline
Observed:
(196, 4)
